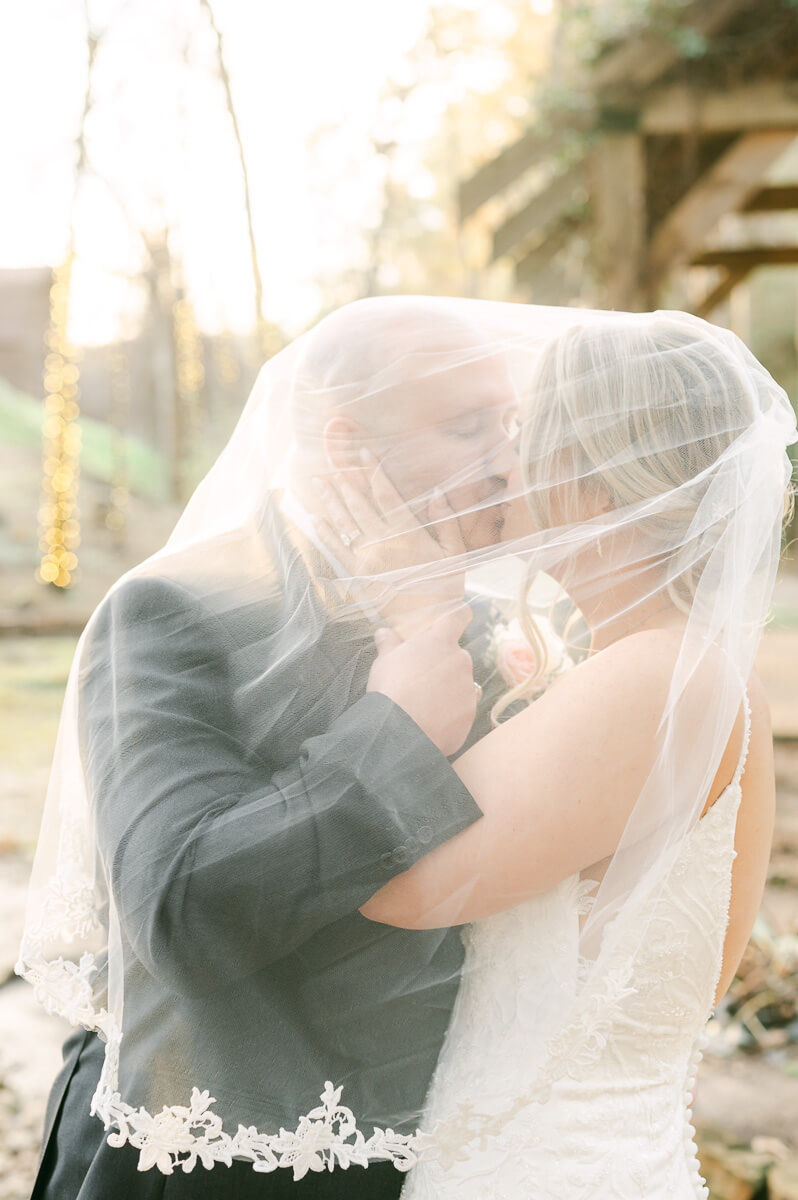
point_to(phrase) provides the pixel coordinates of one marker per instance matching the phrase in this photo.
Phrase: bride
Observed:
(653, 478)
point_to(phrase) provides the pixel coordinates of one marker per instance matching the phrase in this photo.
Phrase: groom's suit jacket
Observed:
(256, 756)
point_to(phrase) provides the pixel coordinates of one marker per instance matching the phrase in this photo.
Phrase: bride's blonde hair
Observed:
(644, 409)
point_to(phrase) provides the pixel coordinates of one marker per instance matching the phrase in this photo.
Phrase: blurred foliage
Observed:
(588, 27)
(462, 92)
(21, 425)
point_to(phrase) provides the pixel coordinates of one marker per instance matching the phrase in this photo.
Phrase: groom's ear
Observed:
(343, 439)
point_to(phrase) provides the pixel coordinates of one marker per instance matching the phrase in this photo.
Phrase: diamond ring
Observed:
(478, 690)
(348, 538)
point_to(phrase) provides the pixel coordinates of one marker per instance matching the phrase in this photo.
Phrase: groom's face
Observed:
(451, 431)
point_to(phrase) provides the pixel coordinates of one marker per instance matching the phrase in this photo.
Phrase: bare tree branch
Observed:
(225, 78)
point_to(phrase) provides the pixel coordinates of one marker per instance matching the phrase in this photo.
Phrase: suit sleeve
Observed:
(216, 871)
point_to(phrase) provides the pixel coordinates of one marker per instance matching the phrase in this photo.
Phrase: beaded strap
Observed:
(746, 739)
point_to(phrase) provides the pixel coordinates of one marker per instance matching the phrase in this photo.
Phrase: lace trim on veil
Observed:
(328, 1136)
(181, 1135)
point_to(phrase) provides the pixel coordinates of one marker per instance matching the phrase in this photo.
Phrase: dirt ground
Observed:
(747, 1094)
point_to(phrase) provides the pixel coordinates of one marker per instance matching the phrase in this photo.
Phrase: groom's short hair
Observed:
(349, 359)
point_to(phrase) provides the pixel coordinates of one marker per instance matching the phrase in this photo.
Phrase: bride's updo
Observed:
(641, 410)
(647, 418)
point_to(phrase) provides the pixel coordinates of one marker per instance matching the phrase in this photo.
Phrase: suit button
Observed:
(425, 835)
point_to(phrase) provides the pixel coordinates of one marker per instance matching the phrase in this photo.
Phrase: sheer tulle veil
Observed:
(629, 463)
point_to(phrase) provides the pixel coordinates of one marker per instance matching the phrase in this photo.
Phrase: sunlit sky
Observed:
(159, 140)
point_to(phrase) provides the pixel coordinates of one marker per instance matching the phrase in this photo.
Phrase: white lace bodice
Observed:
(618, 1125)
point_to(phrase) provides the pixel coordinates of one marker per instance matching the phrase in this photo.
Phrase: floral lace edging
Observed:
(182, 1135)
(179, 1136)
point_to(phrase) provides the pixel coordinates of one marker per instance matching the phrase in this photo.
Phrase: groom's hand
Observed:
(424, 557)
(431, 677)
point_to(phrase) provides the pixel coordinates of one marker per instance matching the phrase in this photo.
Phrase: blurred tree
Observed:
(463, 90)
(268, 337)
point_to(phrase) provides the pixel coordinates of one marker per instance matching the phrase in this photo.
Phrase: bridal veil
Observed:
(635, 462)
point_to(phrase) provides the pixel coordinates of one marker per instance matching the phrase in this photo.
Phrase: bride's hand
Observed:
(373, 533)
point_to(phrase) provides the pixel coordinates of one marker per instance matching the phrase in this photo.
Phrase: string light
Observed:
(59, 526)
(189, 380)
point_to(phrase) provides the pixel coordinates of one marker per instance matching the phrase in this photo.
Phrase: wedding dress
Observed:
(617, 1127)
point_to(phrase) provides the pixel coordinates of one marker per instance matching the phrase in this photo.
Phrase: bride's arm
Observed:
(556, 785)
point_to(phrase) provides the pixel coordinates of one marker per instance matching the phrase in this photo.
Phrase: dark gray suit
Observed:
(227, 767)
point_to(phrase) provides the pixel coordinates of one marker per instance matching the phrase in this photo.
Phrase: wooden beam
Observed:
(748, 258)
(534, 262)
(685, 109)
(720, 291)
(619, 199)
(777, 198)
(561, 195)
(725, 187)
(535, 145)
(675, 109)
(638, 61)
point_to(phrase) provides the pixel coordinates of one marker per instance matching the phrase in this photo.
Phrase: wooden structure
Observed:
(661, 133)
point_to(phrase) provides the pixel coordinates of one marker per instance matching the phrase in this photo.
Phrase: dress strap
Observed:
(738, 774)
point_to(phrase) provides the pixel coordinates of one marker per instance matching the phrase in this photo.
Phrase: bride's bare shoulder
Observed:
(615, 698)
(648, 658)
(643, 659)
(621, 691)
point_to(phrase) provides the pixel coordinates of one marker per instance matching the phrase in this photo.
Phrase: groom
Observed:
(254, 959)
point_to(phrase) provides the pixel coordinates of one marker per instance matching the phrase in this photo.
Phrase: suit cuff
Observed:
(413, 779)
